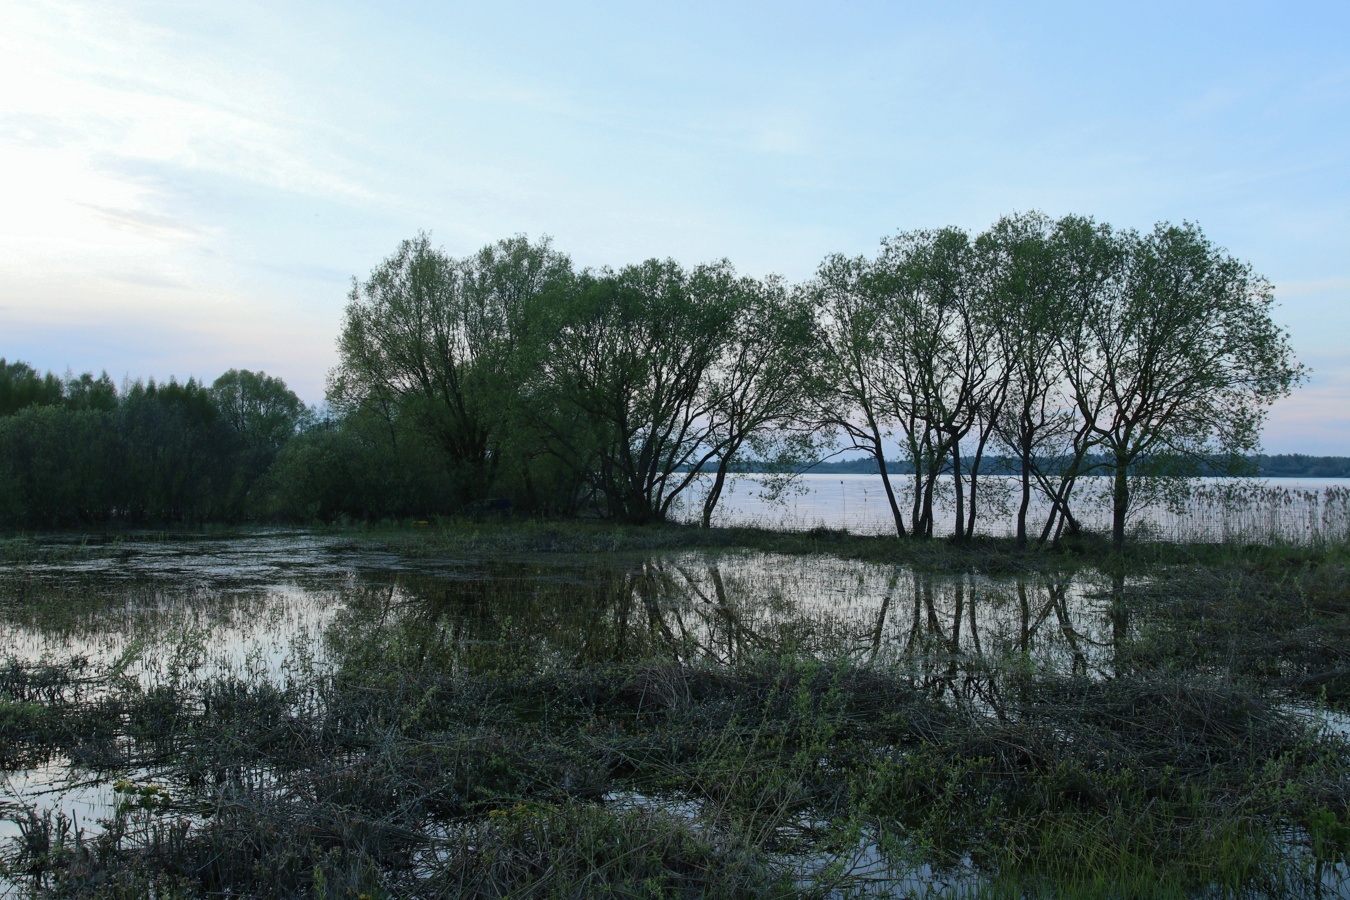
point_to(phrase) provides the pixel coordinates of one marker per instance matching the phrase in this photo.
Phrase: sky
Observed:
(187, 188)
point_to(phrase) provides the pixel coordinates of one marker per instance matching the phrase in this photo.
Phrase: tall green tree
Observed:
(22, 386)
(88, 392)
(852, 359)
(59, 467)
(178, 455)
(942, 382)
(258, 408)
(1178, 357)
(1027, 280)
(434, 340)
(765, 385)
(629, 361)
(262, 415)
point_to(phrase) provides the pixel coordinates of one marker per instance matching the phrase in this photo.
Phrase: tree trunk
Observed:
(1026, 496)
(975, 478)
(1120, 504)
(959, 530)
(890, 496)
(974, 497)
(925, 527)
(916, 514)
(886, 477)
(715, 492)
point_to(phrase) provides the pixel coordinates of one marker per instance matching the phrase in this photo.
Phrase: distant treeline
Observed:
(1047, 349)
(1297, 465)
(1281, 465)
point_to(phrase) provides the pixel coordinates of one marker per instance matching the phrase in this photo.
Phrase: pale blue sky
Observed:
(190, 187)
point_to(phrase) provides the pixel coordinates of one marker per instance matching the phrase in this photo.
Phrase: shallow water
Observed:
(287, 606)
(259, 603)
(276, 604)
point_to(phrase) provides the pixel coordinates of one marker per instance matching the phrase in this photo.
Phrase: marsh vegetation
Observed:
(559, 711)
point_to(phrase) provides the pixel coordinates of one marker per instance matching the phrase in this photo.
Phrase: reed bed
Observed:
(1254, 513)
(1196, 510)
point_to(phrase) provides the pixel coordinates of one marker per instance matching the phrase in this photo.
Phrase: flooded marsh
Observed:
(298, 714)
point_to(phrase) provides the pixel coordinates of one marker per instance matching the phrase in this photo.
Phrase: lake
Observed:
(1288, 509)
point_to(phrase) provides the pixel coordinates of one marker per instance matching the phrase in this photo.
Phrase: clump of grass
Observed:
(1278, 620)
(592, 851)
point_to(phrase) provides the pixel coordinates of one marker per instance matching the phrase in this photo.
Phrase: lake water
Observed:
(1285, 509)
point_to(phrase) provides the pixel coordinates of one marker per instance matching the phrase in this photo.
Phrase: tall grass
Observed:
(1255, 513)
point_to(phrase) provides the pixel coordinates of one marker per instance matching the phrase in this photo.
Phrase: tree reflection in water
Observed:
(955, 635)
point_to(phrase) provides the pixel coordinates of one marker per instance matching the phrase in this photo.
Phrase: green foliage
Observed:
(176, 453)
(630, 357)
(1171, 350)
(443, 344)
(260, 409)
(60, 467)
(1056, 340)
(21, 386)
(159, 452)
(363, 467)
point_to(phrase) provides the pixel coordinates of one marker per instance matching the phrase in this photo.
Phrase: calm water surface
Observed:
(1288, 509)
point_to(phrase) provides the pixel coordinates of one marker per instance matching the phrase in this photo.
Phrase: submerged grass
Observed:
(755, 780)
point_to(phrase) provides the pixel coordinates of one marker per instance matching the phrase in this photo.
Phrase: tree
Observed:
(262, 415)
(88, 392)
(940, 381)
(22, 386)
(58, 467)
(1028, 282)
(766, 383)
(1088, 257)
(1175, 355)
(435, 339)
(260, 409)
(851, 345)
(622, 389)
(178, 454)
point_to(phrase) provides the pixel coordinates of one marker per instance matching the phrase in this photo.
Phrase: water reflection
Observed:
(263, 606)
(949, 631)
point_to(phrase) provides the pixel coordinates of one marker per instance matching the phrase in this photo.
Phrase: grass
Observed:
(416, 781)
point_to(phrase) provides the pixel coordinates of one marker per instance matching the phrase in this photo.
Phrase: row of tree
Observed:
(509, 375)
(1137, 353)
(1050, 340)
